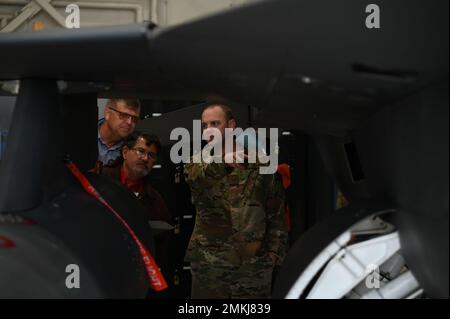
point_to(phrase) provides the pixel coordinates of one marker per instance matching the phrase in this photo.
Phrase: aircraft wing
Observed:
(317, 58)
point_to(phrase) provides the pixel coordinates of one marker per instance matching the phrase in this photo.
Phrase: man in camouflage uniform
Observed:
(240, 232)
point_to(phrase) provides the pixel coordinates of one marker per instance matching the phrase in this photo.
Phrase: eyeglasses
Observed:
(141, 153)
(125, 116)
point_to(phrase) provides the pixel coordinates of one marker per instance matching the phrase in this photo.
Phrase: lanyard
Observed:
(157, 281)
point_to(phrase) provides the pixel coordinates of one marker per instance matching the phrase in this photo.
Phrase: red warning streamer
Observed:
(157, 281)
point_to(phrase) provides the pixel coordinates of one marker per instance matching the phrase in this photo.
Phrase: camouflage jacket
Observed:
(240, 214)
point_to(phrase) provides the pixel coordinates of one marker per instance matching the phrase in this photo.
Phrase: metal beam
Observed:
(45, 4)
(27, 12)
(30, 10)
(33, 7)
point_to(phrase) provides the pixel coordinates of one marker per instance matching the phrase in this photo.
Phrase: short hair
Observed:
(224, 107)
(150, 139)
(132, 103)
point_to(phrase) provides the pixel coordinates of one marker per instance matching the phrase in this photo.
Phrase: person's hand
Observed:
(235, 159)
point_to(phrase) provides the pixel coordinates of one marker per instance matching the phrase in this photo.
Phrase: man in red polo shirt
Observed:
(138, 156)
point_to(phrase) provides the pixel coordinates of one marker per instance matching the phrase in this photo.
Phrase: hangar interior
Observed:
(354, 125)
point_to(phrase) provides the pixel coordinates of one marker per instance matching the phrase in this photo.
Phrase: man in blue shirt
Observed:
(121, 117)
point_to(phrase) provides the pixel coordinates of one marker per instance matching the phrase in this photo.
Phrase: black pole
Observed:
(22, 168)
